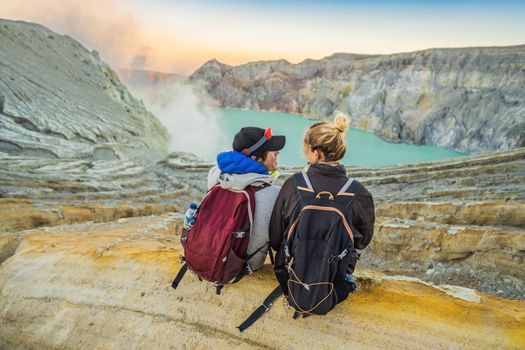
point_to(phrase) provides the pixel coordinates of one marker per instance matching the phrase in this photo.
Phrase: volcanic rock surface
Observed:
(457, 221)
(59, 100)
(38, 192)
(469, 99)
(108, 286)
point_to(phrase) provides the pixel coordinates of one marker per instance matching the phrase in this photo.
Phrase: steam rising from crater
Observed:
(188, 114)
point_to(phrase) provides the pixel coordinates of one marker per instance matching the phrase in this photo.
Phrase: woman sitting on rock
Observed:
(319, 217)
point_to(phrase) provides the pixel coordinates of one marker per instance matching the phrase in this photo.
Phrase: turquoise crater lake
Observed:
(363, 148)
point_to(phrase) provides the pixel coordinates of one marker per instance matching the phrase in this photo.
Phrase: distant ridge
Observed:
(146, 77)
(469, 99)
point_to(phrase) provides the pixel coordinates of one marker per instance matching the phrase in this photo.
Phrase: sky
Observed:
(180, 35)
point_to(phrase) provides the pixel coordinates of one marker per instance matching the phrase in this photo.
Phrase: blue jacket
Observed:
(237, 163)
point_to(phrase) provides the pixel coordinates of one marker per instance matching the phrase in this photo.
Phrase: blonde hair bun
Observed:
(341, 122)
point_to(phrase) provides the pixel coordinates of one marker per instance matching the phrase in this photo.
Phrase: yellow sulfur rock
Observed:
(108, 286)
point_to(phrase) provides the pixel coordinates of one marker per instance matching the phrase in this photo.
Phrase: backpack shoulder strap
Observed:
(303, 186)
(347, 193)
(249, 192)
(179, 276)
(267, 303)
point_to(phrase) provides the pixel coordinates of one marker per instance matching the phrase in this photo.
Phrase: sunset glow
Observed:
(179, 36)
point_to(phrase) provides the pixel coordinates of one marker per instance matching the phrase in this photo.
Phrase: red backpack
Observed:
(215, 248)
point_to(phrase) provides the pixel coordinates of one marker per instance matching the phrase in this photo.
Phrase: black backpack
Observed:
(317, 249)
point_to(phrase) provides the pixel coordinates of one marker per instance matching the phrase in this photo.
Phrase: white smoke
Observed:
(188, 113)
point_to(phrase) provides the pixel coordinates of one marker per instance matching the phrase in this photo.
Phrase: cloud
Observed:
(143, 56)
(103, 25)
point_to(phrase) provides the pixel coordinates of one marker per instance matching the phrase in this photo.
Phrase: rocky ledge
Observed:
(458, 221)
(38, 192)
(108, 285)
(469, 99)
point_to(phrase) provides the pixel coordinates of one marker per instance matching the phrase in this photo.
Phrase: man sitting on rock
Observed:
(253, 162)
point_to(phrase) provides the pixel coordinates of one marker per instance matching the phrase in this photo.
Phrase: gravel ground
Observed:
(437, 273)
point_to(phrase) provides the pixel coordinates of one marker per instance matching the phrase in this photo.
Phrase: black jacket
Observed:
(330, 178)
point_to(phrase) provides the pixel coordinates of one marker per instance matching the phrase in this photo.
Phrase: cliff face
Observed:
(470, 99)
(58, 100)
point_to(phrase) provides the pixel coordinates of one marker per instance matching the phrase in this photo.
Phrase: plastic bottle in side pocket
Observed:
(189, 217)
(350, 279)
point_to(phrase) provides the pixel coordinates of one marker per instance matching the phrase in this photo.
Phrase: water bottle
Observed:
(189, 217)
(350, 280)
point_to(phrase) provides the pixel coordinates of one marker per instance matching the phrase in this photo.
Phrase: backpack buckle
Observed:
(182, 259)
(218, 286)
(267, 307)
(338, 257)
(239, 234)
(286, 251)
(342, 255)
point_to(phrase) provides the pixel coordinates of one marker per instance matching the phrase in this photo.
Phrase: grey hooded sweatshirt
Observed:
(264, 201)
